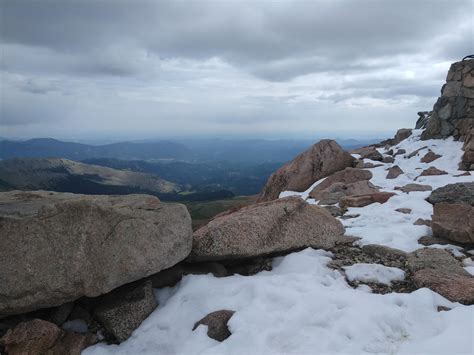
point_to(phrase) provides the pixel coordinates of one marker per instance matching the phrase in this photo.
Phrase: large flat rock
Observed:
(57, 247)
(267, 228)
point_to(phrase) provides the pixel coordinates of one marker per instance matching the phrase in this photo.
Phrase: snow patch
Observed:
(374, 273)
(300, 307)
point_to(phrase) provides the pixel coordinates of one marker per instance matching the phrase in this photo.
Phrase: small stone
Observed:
(404, 210)
(432, 171)
(383, 252)
(349, 216)
(216, 322)
(124, 309)
(365, 200)
(371, 165)
(347, 240)
(412, 154)
(429, 157)
(466, 173)
(394, 172)
(422, 222)
(443, 309)
(388, 160)
(400, 152)
(41, 337)
(413, 187)
(59, 315)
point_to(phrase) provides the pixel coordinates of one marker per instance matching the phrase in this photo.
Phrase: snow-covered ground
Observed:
(304, 307)
(380, 223)
(374, 273)
(300, 307)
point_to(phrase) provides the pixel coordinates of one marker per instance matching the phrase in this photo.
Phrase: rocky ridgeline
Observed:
(76, 269)
(453, 112)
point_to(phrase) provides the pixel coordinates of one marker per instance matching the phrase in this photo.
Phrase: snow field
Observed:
(300, 307)
(304, 307)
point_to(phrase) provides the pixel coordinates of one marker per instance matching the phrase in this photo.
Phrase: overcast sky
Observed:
(148, 69)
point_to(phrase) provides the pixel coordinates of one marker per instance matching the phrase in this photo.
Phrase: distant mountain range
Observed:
(70, 176)
(47, 147)
(194, 170)
(252, 151)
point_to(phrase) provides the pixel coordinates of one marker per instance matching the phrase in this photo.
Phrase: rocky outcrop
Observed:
(267, 228)
(423, 119)
(454, 221)
(57, 247)
(216, 323)
(453, 112)
(41, 337)
(453, 193)
(321, 160)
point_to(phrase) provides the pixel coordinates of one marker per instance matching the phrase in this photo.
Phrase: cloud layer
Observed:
(136, 69)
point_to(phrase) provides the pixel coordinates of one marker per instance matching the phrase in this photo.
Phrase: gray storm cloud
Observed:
(269, 68)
